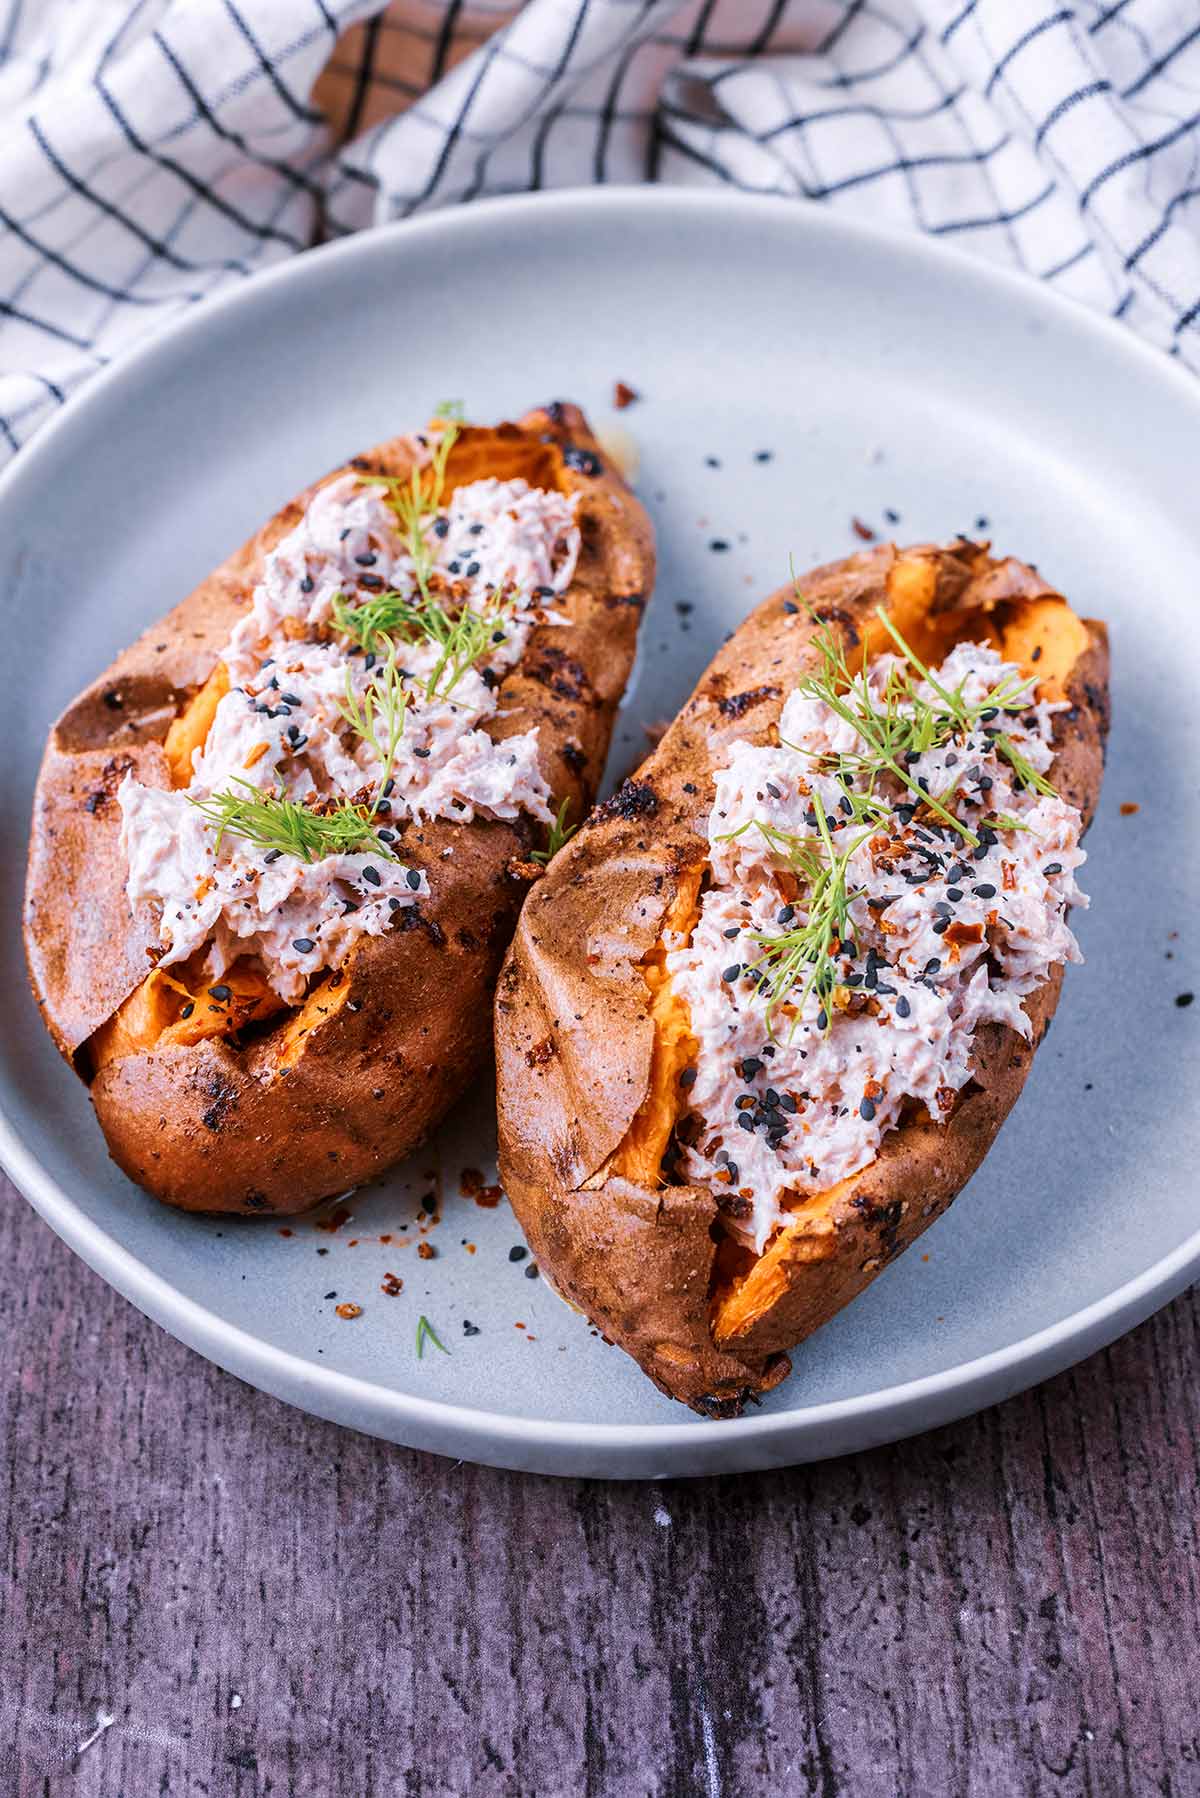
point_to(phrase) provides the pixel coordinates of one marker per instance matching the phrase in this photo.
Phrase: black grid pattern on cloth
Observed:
(153, 152)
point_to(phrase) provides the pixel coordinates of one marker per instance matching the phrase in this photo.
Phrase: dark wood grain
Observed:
(1007, 1606)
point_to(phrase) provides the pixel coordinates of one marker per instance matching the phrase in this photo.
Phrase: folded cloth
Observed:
(153, 152)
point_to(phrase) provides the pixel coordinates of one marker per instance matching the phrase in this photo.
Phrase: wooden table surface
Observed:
(262, 1603)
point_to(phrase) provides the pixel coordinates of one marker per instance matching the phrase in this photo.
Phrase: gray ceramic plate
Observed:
(796, 373)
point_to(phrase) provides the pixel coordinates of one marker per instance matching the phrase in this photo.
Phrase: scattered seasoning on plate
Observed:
(470, 1329)
(426, 1251)
(862, 530)
(624, 395)
(1129, 807)
(1184, 999)
(349, 1311)
(531, 1272)
(518, 1253)
(392, 1285)
(718, 545)
(764, 455)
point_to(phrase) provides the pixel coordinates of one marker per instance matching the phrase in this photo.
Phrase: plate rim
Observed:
(501, 1438)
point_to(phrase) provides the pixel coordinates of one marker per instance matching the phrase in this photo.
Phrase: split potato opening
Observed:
(181, 1006)
(1045, 639)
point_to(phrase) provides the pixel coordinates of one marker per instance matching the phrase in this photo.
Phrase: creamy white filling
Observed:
(945, 938)
(280, 730)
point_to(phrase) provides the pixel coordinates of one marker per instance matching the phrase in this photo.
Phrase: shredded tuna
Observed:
(944, 939)
(279, 728)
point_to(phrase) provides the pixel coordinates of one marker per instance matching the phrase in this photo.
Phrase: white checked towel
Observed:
(153, 152)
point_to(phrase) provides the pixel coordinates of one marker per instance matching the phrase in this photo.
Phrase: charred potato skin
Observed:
(573, 1038)
(215, 1127)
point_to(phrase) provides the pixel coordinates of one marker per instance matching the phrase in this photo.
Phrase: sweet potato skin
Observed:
(574, 1039)
(268, 1127)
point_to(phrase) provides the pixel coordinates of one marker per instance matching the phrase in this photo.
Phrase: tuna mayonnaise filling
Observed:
(791, 1090)
(281, 728)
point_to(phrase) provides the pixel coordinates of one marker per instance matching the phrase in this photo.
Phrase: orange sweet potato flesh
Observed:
(587, 1081)
(246, 1105)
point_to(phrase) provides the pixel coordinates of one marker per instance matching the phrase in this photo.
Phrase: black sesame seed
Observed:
(307, 584)
(785, 914)
(303, 945)
(787, 1102)
(718, 544)
(289, 699)
(954, 893)
(751, 1067)
(932, 966)
(372, 875)
(731, 974)
(272, 855)
(220, 993)
(367, 559)
(189, 1008)
(1182, 1000)
(441, 526)
(688, 1077)
(475, 530)
(986, 891)
(940, 926)
(531, 1272)
(866, 1109)
(734, 930)
(470, 1329)
(903, 1008)
(518, 1253)
(413, 877)
(1052, 868)
(472, 569)
(746, 1122)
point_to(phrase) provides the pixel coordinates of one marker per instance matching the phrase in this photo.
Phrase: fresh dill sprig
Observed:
(427, 1333)
(418, 499)
(283, 826)
(460, 637)
(378, 717)
(1022, 767)
(560, 831)
(806, 952)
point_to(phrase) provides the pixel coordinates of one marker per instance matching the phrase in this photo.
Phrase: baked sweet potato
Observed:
(231, 1067)
(864, 1079)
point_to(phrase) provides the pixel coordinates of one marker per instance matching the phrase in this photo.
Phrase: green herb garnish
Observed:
(418, 499)
(427, 1333)
(806, 953)
(381, 709)
(559, 833)
(274, 823)
(460, 636)
(903, 724)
